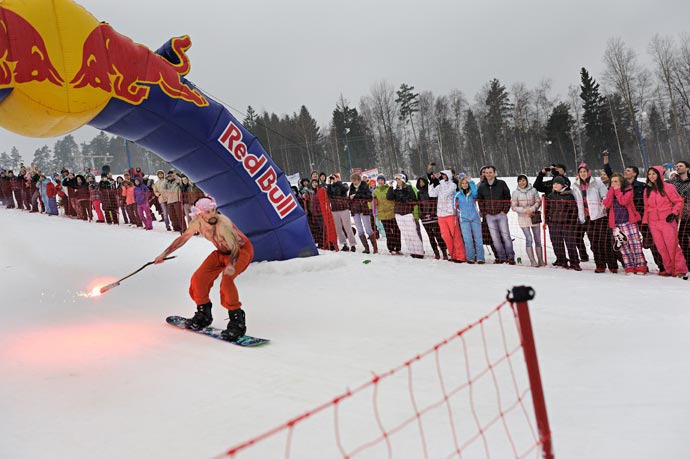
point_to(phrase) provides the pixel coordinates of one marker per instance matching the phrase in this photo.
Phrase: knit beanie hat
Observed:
(560, 180)
(584, 166)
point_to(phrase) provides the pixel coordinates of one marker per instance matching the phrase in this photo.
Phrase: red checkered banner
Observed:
(475, 394)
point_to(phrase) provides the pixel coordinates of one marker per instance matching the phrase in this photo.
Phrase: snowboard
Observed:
(245, 341)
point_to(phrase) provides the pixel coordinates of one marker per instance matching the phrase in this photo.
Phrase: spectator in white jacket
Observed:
(443, 188)
(525, 201)
(589, 193)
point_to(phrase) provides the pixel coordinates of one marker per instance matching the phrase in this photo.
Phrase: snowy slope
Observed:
(105, 377)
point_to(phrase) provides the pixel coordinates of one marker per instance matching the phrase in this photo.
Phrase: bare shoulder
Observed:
(194, 226)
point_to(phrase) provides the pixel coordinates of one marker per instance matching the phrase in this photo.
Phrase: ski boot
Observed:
(236, 326)
(202, 318)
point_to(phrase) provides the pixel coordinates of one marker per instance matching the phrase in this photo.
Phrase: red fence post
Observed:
(519, 297)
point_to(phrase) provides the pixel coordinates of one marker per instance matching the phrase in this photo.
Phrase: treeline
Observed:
(102, 149)
(639, 113)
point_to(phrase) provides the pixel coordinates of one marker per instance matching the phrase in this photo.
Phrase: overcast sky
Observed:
(278, 55)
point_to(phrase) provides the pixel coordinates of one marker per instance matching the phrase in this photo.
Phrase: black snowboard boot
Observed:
(236, 326)
(202, 318)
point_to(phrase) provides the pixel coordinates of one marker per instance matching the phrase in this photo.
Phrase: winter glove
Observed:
(672, 218)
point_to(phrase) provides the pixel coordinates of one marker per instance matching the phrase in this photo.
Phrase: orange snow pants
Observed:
(204, 277)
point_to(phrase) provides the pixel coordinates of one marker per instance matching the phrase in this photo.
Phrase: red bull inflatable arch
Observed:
(61, 69)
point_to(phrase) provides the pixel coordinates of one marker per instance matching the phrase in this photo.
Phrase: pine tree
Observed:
(625, 138)
(596, 118)
(498, 110)
(310, 138)
(558, 135)
(249, 121)
(66, 153)
(358, 138)
(16, 158)
(5, 161)
(408, 102)
(473, 141)
(658, 142)
(43, 159)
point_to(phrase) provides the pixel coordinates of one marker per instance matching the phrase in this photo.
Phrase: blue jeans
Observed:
(472, 235)
(532, 235)
(500, 234)
(166, 216)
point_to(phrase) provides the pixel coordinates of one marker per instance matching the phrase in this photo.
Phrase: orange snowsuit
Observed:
(204, 277)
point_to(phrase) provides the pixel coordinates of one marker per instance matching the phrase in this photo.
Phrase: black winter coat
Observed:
(359, 204)
(405, 199)
(337, 194)
(561, 208)
(493, 199)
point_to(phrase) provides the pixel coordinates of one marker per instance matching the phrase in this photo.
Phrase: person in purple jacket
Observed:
(142, 193)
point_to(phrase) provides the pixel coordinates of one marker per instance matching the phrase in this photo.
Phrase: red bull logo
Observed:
(115, 64)
(231, 139)
(26, 59)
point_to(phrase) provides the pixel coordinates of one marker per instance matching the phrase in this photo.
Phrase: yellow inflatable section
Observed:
(41, 48)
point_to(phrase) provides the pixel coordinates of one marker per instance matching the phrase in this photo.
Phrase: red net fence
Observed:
(562, 233)
(547, 232)
(469, 396)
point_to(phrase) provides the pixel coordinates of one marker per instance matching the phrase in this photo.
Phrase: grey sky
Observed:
(279, 55)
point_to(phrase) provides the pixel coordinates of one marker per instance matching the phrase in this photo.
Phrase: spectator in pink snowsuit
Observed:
(662, 206)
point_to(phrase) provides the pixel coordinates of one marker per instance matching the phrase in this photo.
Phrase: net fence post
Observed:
(519, 297)
(543, 230)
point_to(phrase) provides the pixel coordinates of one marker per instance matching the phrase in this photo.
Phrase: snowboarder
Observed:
(233, 254)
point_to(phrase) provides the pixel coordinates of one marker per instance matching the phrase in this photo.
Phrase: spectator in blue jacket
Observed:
(470, 222)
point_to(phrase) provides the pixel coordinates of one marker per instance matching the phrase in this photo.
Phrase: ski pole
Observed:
(102, 290)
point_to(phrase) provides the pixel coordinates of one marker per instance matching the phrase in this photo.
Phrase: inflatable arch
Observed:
(61, 69)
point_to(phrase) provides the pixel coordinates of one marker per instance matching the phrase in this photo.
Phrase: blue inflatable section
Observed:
(4, 93)
(224, 159)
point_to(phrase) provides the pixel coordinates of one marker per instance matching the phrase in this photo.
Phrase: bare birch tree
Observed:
(682, 84)
(521, 99)
(576, 107)
(630, 80)
(384, 112)
(663, 52)
(543, 104)
(426, 114)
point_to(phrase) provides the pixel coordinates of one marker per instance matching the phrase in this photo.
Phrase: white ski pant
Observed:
(408, 230)
(363, 224)
(343, 226)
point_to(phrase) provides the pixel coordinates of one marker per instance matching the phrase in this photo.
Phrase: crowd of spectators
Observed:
(463, 218)
(129, 198)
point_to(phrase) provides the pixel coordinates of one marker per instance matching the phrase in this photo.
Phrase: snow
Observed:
(105, 377)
